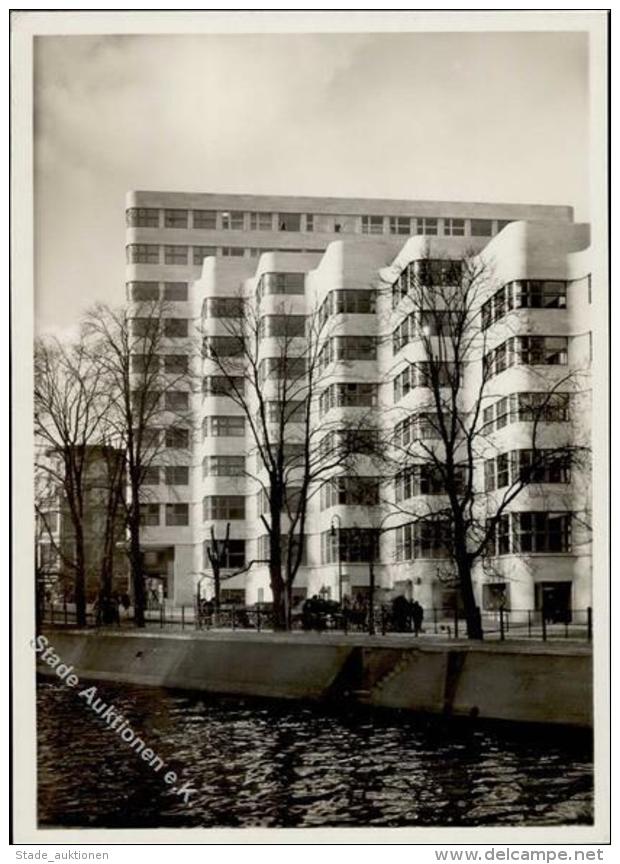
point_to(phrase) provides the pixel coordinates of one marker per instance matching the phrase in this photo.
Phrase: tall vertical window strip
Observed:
(142, 217)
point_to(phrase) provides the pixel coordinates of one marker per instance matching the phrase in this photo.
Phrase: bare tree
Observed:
(273, 367)
(149, 412)
(442, 450)
(67, 418)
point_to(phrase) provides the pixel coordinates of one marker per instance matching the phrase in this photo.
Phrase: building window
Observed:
(143, 253)
(175, 254)
(143, 292)
(524, 294)
(144, 328)
(143, 217)
(205, 219)
(495, 596)
(225, 507)
(400, 225)
(424, 479)
(423, 374)
(427, 538)
(223, 466)
(223, 385)
(281, 283)
(526, 408)
(151, 476)
(225, 426)
(176, 400)
(199, 253)
(283, 325)
(175, 292)
(282, 369)
(289, 221)
(143, 363)
(309, 222)
(223, 307)
(177, 475)
(177, 438)
(151, 437)
(541, 532)
(426, 225)
(345, 348)
(175, 218)
(372, 224)
(353, 394)
(481, 227)
(357, 545)
(526, 351)
(527, 466)
(223, 346)
(149, 514)
(351, 302)
(232, 220)
(502, 223)
(176, 364)
(261, 221)
(352, 491)
(177, 514)
(231, 554)
(175, 328)
(291, 411)
(454, 227)
(233, 251)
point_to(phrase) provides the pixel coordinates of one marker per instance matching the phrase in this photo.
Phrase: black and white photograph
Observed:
(310, 427)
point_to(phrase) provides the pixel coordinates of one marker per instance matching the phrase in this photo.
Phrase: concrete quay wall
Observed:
(523, 682)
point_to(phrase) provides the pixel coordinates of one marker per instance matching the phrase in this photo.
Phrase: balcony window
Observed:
(143, 253)
(205, 219)
(224, 507)
(287, 326)
(289, 221)
(143, 217)
(223, 307)
(175, 218)
(175, 328)
(232, 220)
(177, 475)
(372, 224)
(177, 514)
(175, 254)
(261, 221)
(225, 426)
(539, 532)
(223, 346)
(281, 283)
(143, 292)
(223, 385)
(353, 302)
(223, 466)
(175, 292)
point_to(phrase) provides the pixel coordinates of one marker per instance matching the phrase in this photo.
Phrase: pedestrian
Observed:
(417, 613)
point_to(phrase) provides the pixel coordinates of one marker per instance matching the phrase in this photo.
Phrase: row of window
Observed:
(223, 307)
(177, 364)
(426, 273)
(423, 323)
(349, 545)
(355, 491)
(426, 538)
(526, 351)
(223, 426)
(174, 254)
(282, 368)
(174, 514)
(551, 407)
(524, 294)
(346, 348)
(151, 400)
(281, 283)
(223, 466)
(531, 532)
(423, 374)
(150, 291)
(417, 427)
(174, 437)
(239, 220)
(223, 385)
(348, 441)
(348, 301)
(421, 480)
(173, 475)
(350, 394)
(149, 327)
(225, 507)
(531, 466)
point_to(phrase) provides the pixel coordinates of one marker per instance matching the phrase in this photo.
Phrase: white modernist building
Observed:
(342, 256)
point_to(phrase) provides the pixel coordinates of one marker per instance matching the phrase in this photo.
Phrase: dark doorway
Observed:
(553, 599)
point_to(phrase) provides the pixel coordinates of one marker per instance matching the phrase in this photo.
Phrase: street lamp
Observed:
(335, 533)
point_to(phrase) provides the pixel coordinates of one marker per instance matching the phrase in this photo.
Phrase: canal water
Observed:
(277, 764)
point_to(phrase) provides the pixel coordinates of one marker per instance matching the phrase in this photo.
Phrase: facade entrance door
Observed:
(553, 599)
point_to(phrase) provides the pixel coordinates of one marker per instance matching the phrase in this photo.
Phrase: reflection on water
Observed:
(290, 765)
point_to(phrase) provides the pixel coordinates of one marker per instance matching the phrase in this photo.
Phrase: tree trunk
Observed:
(472, 612)
(135, 560)
(80, 580)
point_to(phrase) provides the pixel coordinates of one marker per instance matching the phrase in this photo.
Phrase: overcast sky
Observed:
(478, 117)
